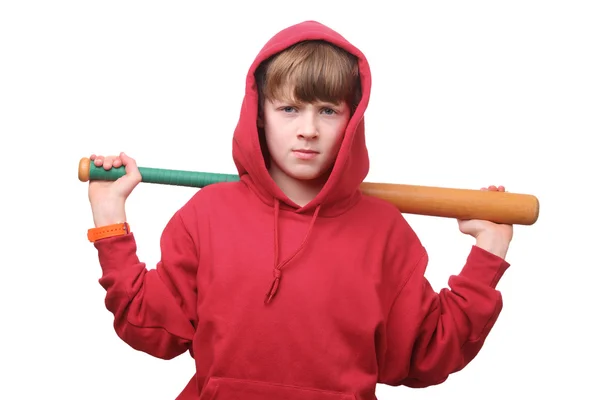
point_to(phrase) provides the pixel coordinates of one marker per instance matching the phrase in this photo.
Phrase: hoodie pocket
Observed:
(229, 389)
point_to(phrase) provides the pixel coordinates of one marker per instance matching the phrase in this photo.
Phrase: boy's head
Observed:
(307, 94)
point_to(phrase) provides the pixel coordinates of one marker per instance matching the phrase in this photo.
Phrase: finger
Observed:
(501, 188)
(98, 161)
(108, 162)
(117, 162)
(492, 187)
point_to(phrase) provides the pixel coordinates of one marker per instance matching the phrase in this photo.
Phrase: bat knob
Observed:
(84, 169)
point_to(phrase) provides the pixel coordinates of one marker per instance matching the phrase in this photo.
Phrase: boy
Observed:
(290, 284)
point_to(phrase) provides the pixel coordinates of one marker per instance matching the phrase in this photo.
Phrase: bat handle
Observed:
(89, 172)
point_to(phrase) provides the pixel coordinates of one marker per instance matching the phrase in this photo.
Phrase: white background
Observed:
(465, 94)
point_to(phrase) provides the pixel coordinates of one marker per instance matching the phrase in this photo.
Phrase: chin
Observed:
(307, 175)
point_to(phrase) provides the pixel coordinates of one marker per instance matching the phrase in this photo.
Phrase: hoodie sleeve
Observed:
(430, 335)
(153, 308)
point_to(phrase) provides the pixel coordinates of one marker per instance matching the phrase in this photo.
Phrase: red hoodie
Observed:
(276, 301)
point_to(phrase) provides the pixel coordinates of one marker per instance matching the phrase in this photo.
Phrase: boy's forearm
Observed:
(148, 311)
(495, 245)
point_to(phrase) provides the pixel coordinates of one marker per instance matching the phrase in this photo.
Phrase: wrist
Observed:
(108, 214)
(100, 222)
(495, 244)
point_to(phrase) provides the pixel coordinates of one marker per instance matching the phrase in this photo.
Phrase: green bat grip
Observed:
(89, 172)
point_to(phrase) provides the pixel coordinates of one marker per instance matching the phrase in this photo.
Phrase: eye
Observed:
(286, 109)
(329, 111)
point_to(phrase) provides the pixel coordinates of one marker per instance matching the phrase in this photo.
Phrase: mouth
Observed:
(305, 151)
(305, 154)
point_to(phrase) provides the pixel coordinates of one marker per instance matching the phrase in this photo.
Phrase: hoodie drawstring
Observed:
(279, 266)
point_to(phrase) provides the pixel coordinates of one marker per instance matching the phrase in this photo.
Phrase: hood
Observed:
(352, 164)
(342, 189)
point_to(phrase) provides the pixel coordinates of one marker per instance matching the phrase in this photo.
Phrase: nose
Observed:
(308, 127)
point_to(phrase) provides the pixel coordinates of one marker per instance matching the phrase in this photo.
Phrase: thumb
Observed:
(128, 162)
(131, 168)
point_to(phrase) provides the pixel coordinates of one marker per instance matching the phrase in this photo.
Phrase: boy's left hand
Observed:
(490, 236)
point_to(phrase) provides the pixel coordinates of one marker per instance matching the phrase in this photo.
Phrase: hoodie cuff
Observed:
(485, 267)
(117, 252)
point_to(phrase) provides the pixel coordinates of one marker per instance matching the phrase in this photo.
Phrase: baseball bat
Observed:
(499, 207)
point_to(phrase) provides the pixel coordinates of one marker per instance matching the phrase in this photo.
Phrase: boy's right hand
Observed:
(107, 198)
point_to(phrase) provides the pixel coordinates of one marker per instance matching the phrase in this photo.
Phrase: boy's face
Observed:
(303, 139)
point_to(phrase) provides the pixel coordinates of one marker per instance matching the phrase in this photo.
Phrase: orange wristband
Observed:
(102, 232)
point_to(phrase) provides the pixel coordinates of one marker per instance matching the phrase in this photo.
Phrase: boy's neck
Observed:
(300, 192)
